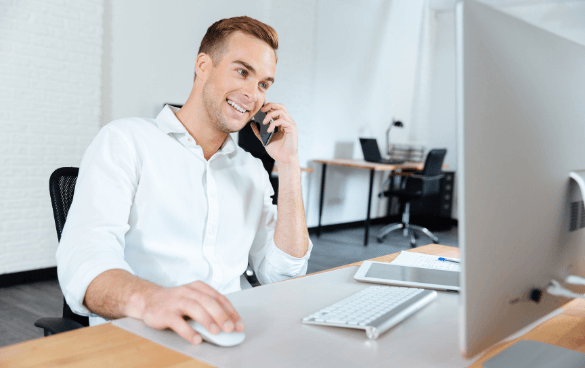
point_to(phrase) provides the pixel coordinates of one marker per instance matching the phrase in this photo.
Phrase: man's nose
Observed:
(250, 90)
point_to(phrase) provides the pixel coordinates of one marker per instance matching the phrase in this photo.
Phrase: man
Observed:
(168, 212)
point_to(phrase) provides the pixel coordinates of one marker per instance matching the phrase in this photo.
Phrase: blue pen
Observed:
(448, 260)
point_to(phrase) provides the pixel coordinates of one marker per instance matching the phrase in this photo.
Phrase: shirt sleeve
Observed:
(269, 262)
(92, 241)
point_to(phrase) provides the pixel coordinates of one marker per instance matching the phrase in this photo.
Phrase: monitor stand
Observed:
(534, 354)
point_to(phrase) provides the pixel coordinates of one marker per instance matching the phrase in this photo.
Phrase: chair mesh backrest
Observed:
(434, 162)
(62, 187)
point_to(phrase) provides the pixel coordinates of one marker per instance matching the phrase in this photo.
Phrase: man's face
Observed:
(237, 85)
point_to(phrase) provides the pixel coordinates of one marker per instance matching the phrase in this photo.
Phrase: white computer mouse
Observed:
(221, 339)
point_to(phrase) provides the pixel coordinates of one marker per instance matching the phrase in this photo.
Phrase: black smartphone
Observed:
(263, 129)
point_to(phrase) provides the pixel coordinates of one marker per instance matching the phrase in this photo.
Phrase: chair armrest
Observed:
(57, 325)
(386, 192)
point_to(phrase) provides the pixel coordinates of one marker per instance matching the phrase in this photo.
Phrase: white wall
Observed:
(440, 129)
(345, 69)
(50, 64)
(437, 120)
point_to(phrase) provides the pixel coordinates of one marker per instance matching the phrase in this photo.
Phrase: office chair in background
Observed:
(61, 188)
(415, 185)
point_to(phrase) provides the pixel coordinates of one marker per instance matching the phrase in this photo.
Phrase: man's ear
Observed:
(203, 65)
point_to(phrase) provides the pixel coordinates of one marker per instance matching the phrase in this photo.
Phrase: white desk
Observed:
(275, 336)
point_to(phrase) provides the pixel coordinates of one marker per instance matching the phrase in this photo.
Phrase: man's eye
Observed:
(243, 72)
(263, 85)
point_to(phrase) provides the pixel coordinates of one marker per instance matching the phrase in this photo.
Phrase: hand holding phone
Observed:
(263, 129)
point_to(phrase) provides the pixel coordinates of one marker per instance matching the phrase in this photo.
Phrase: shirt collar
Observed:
(167, 122)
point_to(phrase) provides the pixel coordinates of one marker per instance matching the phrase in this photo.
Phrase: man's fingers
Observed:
(212, 306)
(273, 106)
(221, 299)
(224, 303)
(275, 118)
(281, 120)
(195, 311)
(217, 311)
(182, 328)
(270, 116)
(229, 309)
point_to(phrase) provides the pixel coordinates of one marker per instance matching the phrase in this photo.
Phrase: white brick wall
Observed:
(50, 100)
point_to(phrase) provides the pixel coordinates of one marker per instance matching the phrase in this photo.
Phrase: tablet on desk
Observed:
(386, 273)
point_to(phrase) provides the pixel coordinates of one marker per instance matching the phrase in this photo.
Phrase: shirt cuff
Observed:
(86, 273)
(286, 265)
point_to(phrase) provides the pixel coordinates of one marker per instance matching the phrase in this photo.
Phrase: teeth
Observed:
(236, 106)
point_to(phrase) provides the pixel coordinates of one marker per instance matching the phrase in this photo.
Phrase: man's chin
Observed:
(236, 125)
(231, 127)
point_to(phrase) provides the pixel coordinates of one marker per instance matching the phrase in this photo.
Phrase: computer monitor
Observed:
(521, 132)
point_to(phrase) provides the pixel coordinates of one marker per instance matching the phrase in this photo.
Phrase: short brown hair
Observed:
(213, 43)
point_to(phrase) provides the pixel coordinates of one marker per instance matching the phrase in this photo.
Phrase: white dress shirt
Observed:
(146, 201)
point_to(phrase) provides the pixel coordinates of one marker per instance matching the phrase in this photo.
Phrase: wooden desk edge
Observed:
(98, 346)
(362, 164)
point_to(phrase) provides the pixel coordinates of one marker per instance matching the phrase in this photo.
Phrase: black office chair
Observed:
(415, 185)
(61, 188)
(250, 143)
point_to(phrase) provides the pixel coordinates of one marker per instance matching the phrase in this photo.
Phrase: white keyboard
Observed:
(375, 309)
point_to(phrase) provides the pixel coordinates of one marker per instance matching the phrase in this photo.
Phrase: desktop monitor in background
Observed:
(521, 132)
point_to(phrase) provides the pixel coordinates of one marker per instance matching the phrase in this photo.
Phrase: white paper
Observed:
(425, 261)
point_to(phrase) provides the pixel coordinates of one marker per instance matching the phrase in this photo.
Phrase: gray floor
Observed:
(22, 305)
(341, 247)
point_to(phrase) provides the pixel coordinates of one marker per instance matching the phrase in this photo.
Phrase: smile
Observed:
(236, 106)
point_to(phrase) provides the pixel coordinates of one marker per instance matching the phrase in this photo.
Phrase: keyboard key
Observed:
(335, 320)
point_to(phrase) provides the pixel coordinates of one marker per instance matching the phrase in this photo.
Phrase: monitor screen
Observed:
(521, 131)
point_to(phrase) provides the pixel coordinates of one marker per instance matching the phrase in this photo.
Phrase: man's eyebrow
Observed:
(251, 69)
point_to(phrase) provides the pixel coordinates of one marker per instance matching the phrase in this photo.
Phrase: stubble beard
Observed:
(214, 110)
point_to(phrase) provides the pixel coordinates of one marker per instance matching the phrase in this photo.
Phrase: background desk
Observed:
(359, 164)
(110, 346)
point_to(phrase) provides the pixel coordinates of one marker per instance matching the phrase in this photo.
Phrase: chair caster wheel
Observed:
(436, 240)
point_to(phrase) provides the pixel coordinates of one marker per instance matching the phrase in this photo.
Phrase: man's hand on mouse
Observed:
(283, 144)
(162, 308)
